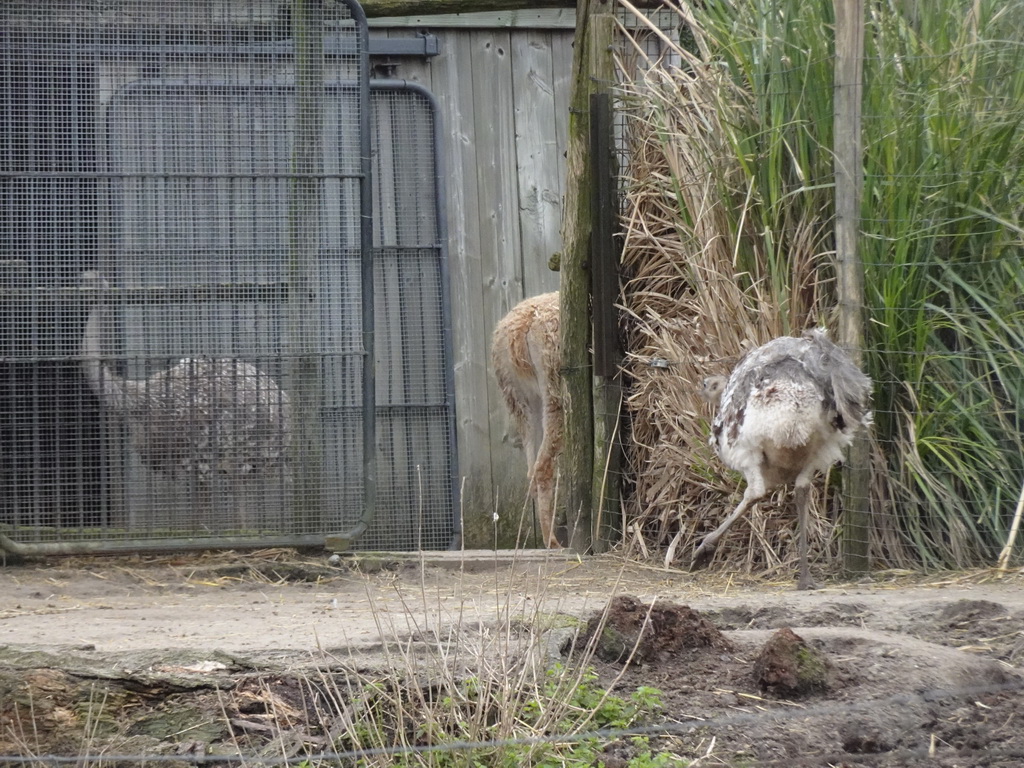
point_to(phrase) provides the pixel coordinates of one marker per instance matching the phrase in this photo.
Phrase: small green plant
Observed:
(645, 758)
(565, 702)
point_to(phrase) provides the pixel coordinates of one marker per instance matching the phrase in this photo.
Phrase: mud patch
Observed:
(639, 633)
(828, 614)
(974, 626)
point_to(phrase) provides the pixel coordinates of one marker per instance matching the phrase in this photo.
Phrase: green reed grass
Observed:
(944, 107)
(941, 227)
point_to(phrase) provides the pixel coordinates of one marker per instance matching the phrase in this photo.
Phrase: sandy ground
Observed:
(194, 654)
(276, 602)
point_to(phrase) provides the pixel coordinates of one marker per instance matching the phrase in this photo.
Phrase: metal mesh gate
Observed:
(195, 269)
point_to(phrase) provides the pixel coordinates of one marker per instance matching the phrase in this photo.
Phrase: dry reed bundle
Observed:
(709, 272)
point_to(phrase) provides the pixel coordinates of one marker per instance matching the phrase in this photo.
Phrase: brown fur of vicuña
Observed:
(526, 357)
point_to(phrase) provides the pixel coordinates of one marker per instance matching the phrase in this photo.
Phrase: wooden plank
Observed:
(561, 52)
(419, 8)
(502, 268)
(537, 151)
(394, 466)
(424, 364)
(493, 118)
(385, 183)
(304, 206)
(453, 88)
(470, 560)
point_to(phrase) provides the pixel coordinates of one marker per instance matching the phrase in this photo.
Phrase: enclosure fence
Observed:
(223, 283)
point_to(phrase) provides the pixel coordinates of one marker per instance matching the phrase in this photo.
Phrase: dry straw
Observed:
(703, 282)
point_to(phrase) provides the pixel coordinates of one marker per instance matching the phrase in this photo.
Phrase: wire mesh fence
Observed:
(223, 282)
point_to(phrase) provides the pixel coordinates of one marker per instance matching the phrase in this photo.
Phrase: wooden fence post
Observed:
(593, 69)
(849, 71)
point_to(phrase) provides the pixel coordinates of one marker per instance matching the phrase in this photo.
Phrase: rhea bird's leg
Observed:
(754, 492)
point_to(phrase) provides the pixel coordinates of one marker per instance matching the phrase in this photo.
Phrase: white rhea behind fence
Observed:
(526, 356)
(200, 418)
(787, 411)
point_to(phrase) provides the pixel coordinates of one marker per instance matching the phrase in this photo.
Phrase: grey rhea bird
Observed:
(201, 417)
(786, 412)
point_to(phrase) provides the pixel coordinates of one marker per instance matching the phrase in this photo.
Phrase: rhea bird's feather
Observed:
(791, 393)
(202, 415)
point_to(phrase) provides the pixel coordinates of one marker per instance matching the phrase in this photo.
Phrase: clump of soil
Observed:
(789, 668)
(860, 738)
(633, 631)
(964, 612)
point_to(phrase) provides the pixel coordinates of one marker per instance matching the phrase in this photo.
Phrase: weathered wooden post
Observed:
(592, 71)
(849, 71)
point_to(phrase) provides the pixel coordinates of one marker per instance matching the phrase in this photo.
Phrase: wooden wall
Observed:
(502, 82)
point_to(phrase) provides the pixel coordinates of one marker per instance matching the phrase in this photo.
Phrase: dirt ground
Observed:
(922, 670)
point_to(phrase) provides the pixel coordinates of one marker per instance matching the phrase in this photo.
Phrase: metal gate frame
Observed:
(299, 207)
(346, 540)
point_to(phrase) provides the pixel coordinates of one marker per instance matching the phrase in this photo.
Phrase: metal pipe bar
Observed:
(235, 175)
(107, 547)
(367, 263)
